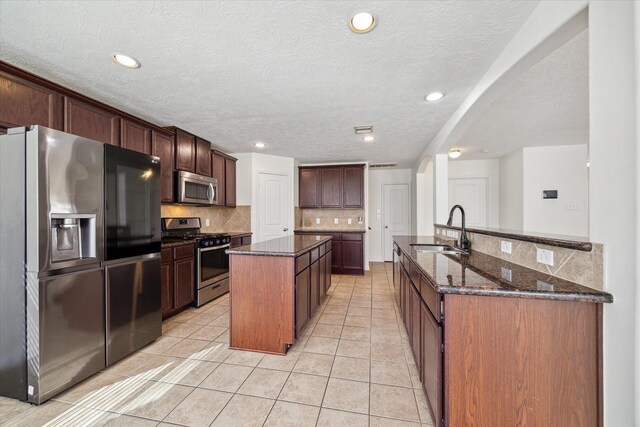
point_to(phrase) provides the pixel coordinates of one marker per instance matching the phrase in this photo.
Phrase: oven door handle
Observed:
(214, 248)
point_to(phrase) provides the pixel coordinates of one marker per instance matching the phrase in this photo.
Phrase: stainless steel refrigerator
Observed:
(132, 251)
(79, 259)
(52, 306)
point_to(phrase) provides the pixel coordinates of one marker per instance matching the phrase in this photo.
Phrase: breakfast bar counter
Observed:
(275, 288)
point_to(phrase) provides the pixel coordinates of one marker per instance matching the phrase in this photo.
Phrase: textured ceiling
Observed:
(547, 105)
(289, 73)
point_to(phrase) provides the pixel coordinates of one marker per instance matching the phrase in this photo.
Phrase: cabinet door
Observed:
(309, 188)
(406, 306)
(328, 266)
(331, 186)
(431, 372)
(163, 147)
(353, 187)
(246, 240)
(322, 266)
(235, 242)
(166, 282)
(302, 300)
(218, 163)
(415, 325)
(185, 151)
(314, 297)
(203, 157)
(336, 256)
(352, 253)
(184, 282)
(230, 182)
(25, 103)
(135, 137)
(91, 122)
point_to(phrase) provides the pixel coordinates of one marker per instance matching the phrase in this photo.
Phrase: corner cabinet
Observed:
(224, 170)
(177, 278)
(331, 187)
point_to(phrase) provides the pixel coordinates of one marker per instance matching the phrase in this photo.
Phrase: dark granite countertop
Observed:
(481, 274)
(283, 246)
(570, 242)
(327, 230)
(237, 233)
(173, 243)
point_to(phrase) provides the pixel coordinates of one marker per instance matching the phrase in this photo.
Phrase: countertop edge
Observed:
(329, 231)
(550, 241)
(239, 251)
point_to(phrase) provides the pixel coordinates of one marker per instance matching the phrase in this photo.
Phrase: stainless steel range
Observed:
(212, 262)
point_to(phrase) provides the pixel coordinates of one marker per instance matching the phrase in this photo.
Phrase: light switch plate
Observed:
(317, 220)
(335, 220)
(544, 256)
(505, 246)
(506, 274)
(349, 221)
(207, 222)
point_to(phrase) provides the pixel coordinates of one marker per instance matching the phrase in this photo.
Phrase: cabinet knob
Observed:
(386, 226)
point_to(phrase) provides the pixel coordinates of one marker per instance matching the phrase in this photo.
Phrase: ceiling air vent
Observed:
(363, 129)
(382, 165)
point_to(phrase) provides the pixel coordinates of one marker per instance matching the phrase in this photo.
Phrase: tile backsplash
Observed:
(581, 267)
(306, 219)
(222, 218)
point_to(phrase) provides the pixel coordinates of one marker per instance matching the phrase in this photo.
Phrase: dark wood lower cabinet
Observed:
(509, 361)
(347, 251)
(240, 241)
(303, 291)
(314, 296)
(177, 278)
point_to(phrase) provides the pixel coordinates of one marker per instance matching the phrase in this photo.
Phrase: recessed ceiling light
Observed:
(368, 138)
(362, 22)
(126, 60)
(454, 153)
(260, 144)
(434, 96)
(484, 150)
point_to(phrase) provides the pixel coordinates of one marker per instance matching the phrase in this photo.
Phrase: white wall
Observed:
(244, 174)
(614, 197)
(489, 169)
(511, 185)
(562, 168)
(441, 188)
(377, 179)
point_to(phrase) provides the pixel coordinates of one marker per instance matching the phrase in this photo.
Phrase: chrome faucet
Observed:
(464, 243)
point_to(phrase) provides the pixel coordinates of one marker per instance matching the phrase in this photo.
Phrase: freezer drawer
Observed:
(134, 316)
(69, 330)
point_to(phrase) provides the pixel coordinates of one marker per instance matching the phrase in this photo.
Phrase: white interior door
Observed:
(273, 206)
(396, 215)
(471, 194)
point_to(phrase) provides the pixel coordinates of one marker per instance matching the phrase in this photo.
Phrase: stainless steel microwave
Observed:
(196, 189)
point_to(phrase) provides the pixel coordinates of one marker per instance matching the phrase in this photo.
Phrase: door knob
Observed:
(285, 229)
(386, 226)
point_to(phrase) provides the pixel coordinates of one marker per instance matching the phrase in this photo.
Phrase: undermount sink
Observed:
(441, 249)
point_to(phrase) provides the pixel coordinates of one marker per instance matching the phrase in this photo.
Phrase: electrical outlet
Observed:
(207, 222)
(505, 246)
(572, 206)
(349, 221)
(437, 231)
(506, 274)
(544, 256)
(335, 220)
(317, 220)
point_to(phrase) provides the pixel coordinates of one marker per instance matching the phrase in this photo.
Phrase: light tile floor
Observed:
(352, 367)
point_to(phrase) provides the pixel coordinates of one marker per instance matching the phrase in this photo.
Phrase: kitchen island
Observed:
(275, 288)
(496, 343)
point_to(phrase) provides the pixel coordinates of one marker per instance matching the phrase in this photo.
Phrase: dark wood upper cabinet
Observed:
(353, 187)
(230, 181)
(185, 151)
(331, 186)
(331, 183)
(309, 188)
(218, 161)
(203, 157)
(163, 147)
(25, 103)
(91, 122)
(136, 137)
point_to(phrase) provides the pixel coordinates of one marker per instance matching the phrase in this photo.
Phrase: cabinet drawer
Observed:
(165, 254)
(183, 252)
(431, 297)
(302, 262)
(352, 236)
(327, 246)
(315, 254)
(322, 248)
